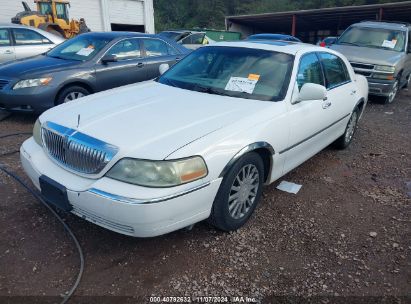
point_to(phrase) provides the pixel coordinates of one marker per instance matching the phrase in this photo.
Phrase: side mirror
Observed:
(311, 91)
(108, 58)
(163, 68)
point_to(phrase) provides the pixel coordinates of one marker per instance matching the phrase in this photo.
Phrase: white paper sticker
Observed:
(85, 52)
(389, 43)
(241, 84)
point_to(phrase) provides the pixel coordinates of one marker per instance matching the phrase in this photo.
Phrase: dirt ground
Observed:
(345, 237)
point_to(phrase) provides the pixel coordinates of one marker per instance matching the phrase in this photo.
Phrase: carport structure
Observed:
(311, 25)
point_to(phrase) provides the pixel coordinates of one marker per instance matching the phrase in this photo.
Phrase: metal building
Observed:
(100, 15)
(311, 25)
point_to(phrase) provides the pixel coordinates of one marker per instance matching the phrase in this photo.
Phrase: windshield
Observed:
(170, 35)
(232, 71)
(374, 38)
(81, 48)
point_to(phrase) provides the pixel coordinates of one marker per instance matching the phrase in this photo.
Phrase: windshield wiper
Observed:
(209, 90)
(349, 43)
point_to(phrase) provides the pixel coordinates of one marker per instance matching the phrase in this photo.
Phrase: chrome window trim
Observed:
(134, 201)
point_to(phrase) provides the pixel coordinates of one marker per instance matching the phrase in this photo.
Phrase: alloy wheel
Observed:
(352, 123)
(72, 96)
(243, 191)
(393, 92)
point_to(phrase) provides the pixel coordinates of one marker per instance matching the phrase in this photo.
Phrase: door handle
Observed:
(8, 52)
(140, 65)
(178, 59)
(327, 104)
(353, 92)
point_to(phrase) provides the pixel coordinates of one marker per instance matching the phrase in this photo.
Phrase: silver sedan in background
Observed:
(18, 41)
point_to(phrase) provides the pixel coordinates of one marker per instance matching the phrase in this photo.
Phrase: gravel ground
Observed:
(345, 237)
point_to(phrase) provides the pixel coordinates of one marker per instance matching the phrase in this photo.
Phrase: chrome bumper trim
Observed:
(134, 201)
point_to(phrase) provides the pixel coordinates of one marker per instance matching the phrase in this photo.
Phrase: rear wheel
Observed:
(71, 93)
(239, 193)
(345, 140)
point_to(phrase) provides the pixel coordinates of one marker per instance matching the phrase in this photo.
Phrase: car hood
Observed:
(151, 120)
(37, 65)
(368, 55)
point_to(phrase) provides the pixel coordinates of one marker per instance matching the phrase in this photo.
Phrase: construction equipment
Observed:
(51, 16)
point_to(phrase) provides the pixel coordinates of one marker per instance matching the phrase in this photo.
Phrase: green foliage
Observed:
(185, 14)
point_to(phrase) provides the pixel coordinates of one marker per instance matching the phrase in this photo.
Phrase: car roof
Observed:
(288, 47)
(267, 35)
(382, 24)
(114, 35)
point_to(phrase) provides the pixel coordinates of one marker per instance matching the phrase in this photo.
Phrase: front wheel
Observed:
(71, 93)
(345, 140)
(239, 193)
(391, 96)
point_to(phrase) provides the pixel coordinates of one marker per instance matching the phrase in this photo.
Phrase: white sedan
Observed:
(197, 143)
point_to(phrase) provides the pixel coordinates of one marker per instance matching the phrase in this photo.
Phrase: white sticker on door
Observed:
(241, 84)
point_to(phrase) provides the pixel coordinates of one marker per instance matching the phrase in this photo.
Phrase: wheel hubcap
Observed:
(393, 93)
(351, 127)
(73, 95)
(243, 191)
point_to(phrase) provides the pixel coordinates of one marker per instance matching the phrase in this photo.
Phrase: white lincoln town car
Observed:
(197, 143)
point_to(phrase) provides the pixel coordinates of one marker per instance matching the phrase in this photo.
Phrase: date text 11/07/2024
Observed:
(203, 299)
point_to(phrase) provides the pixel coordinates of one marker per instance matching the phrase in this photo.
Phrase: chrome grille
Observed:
(75, 150)
(364, 66)
(3, 83)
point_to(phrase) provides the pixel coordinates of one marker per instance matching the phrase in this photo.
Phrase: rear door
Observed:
(129, 67)
(29, 43)
(6, 48)
(156, 52)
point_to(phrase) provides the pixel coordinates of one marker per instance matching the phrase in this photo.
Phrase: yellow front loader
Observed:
(51, 16)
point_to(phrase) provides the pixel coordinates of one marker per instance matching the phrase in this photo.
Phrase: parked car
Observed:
(189, 39)
(89, 63)
(381, 51)
(327, 41)
(273, 37)
(197, 143)
(18, 41)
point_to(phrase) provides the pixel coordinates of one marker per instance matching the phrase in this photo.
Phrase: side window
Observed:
(4, 37)
(29, 37)
(335, 70)
(155, 48)
(194, 39)
(126, 49)
(309, 71)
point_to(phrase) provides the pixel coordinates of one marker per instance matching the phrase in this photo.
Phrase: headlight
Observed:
(159, 173)
(385, 68)
(37, 132)
(29, 83)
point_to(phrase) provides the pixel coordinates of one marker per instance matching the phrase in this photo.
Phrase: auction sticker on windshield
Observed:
(242, 84)
(85, 52)
(389, 43)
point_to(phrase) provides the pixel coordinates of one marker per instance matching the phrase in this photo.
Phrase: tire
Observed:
(390, 98)
(345, 140)
(234, 204)
(71, 93)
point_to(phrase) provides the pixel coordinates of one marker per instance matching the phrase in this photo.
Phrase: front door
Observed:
(30, 43)
(6, 49)
(129, 67)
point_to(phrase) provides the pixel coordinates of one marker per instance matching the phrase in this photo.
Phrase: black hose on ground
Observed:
(37, 196)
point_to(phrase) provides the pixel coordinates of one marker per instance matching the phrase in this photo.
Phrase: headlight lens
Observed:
(29, 83)
(159, 173)
(37, 133)
(385, 68)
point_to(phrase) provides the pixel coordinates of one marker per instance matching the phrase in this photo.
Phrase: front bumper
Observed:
(380, 87)
(36, 99)
(124, 208)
